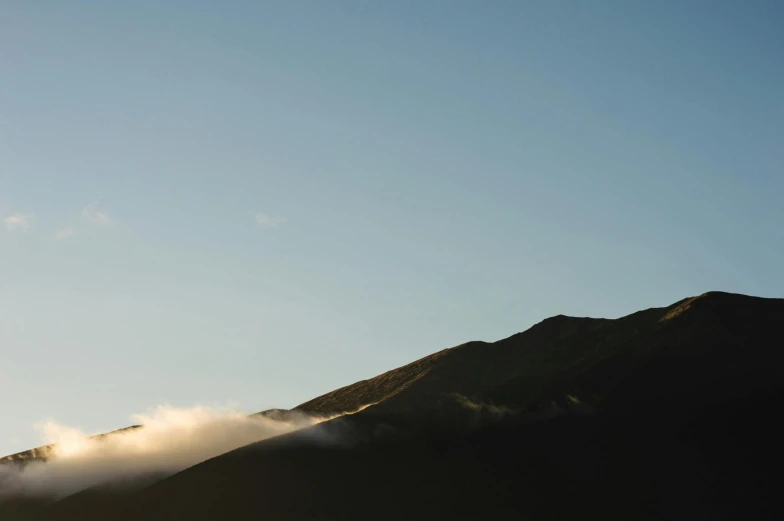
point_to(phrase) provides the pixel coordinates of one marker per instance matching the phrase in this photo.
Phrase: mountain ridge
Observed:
(374, 390)
(660, 414)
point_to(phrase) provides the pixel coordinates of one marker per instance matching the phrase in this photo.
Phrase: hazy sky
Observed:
(258, 202)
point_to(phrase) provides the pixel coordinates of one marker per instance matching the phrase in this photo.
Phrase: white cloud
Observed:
(18, 221)
(97, 215)
(65, 233)
(170, 440)
(267, 221)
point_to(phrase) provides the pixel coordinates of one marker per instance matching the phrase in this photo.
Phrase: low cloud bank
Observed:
(170, 440)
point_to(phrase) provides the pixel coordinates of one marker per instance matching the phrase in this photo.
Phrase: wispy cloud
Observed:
(65, 233)
(268, 221)
(18, 221)
(94, 214)
(169, 440)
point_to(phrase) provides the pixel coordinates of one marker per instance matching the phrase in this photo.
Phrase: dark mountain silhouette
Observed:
(668, 413)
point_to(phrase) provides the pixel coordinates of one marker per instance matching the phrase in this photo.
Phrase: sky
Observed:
(253, 203)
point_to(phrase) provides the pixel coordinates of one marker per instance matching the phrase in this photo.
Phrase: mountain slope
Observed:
(563, 362)
(667, 413)
(517, 371)
(47, 451)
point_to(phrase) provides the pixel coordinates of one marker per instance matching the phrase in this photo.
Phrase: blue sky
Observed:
(258, 202)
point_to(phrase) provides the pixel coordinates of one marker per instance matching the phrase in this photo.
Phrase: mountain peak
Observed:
(721, 305)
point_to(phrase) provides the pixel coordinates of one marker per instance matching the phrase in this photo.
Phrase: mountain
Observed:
(668, 413)
(45, 452)
(701, 350)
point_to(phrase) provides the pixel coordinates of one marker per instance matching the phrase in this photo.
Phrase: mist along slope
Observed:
(668, 413)
(45, 452)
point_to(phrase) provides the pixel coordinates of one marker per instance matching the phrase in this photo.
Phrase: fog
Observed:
(170, 440)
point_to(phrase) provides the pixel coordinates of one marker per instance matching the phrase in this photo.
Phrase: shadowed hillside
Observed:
(708, 346)
(668, 413)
